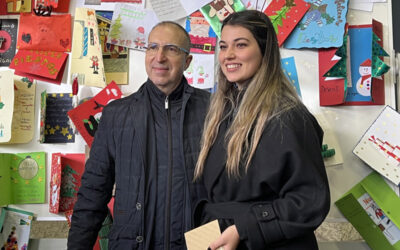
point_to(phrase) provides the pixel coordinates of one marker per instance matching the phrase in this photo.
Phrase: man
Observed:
(148, 145)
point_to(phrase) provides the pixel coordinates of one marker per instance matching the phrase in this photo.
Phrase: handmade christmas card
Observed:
(56, 125)
(200, 73)
(15, 225)
(45, 66)
(66, 173)
(6, 104)
(131, 26)
(59, 6)
(22, 178)
(23, 117)
(289, 68)
(202, 36)
(379, 147)
(8, 40)
(353, 73)
(87, 60)
(175, 9)
(216, 11)
(115, 58)
(86, 116)
(371, 207)
(18, 6)
(322, 26)
(49, 33)
(285, 16)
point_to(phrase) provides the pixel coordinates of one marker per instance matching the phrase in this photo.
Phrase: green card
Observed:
(372, 208)
(22, 178)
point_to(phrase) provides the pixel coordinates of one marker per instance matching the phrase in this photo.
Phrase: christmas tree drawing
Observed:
(69, 182)
(115, 29)
(378, 66)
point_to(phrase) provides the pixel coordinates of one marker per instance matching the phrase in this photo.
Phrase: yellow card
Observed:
(201, 237)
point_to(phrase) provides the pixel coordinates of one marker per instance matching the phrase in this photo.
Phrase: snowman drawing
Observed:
(365, 82)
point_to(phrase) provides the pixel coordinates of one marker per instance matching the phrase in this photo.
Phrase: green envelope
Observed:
(372, 207)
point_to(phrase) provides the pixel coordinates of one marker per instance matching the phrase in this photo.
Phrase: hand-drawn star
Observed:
(52, 131)
(64, 131)
(69, 137)
(57, 127)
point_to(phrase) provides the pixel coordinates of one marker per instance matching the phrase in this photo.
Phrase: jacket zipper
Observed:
(169, 181)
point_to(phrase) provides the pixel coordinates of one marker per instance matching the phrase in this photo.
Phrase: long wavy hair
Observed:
(267, 95)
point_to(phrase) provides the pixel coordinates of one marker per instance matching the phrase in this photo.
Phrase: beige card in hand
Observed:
(201, 237)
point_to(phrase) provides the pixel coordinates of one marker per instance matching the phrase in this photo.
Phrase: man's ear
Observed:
(188, 60)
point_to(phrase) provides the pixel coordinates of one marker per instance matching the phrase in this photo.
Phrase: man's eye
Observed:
(172, 48)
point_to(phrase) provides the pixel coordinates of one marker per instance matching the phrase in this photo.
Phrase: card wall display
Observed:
(347, 123)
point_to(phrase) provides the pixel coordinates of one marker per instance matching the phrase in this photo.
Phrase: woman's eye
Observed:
(222, 47)
(241, 45)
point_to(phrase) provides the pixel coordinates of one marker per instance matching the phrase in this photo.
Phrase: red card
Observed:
(66, 173)
(62, 6)
(45, 66)
(331, 92)
(45, 33)
(285, 15)
(3, 8)
(86, 116)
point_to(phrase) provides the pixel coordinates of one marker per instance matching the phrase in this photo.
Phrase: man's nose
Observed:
(160, 54)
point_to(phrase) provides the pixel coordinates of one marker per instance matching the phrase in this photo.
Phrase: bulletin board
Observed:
(346, 123)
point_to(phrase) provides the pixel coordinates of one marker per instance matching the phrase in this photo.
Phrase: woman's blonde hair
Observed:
(268, 94)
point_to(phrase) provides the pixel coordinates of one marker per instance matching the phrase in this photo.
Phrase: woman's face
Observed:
(239, 55)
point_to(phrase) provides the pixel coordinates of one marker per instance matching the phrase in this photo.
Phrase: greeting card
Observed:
(322, 26)
(87, 60)
(66, 173)
(86, 116)
(23, 178)
(131, 26)
(353, 73)
(45, 66)
(216, 11)
(6, 104)
(115, 58)
(48, 33)
(8, 40)
(56, 126)
(285, 15)
(202, 36)
(200, 73)
(23, 117)
(15, 227)
(371, 207)
(379, 147)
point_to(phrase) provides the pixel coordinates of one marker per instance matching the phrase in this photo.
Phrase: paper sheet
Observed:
(201, 237)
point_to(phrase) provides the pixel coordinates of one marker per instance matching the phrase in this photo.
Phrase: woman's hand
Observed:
(228, 240)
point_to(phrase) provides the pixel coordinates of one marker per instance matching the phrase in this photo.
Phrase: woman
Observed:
(260, 159)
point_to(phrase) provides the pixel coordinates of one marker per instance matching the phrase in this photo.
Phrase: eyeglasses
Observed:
(169, 49)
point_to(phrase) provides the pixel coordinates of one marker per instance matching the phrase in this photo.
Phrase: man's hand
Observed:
(228, 240)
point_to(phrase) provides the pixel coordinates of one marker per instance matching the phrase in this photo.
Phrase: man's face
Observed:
(163, 69)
